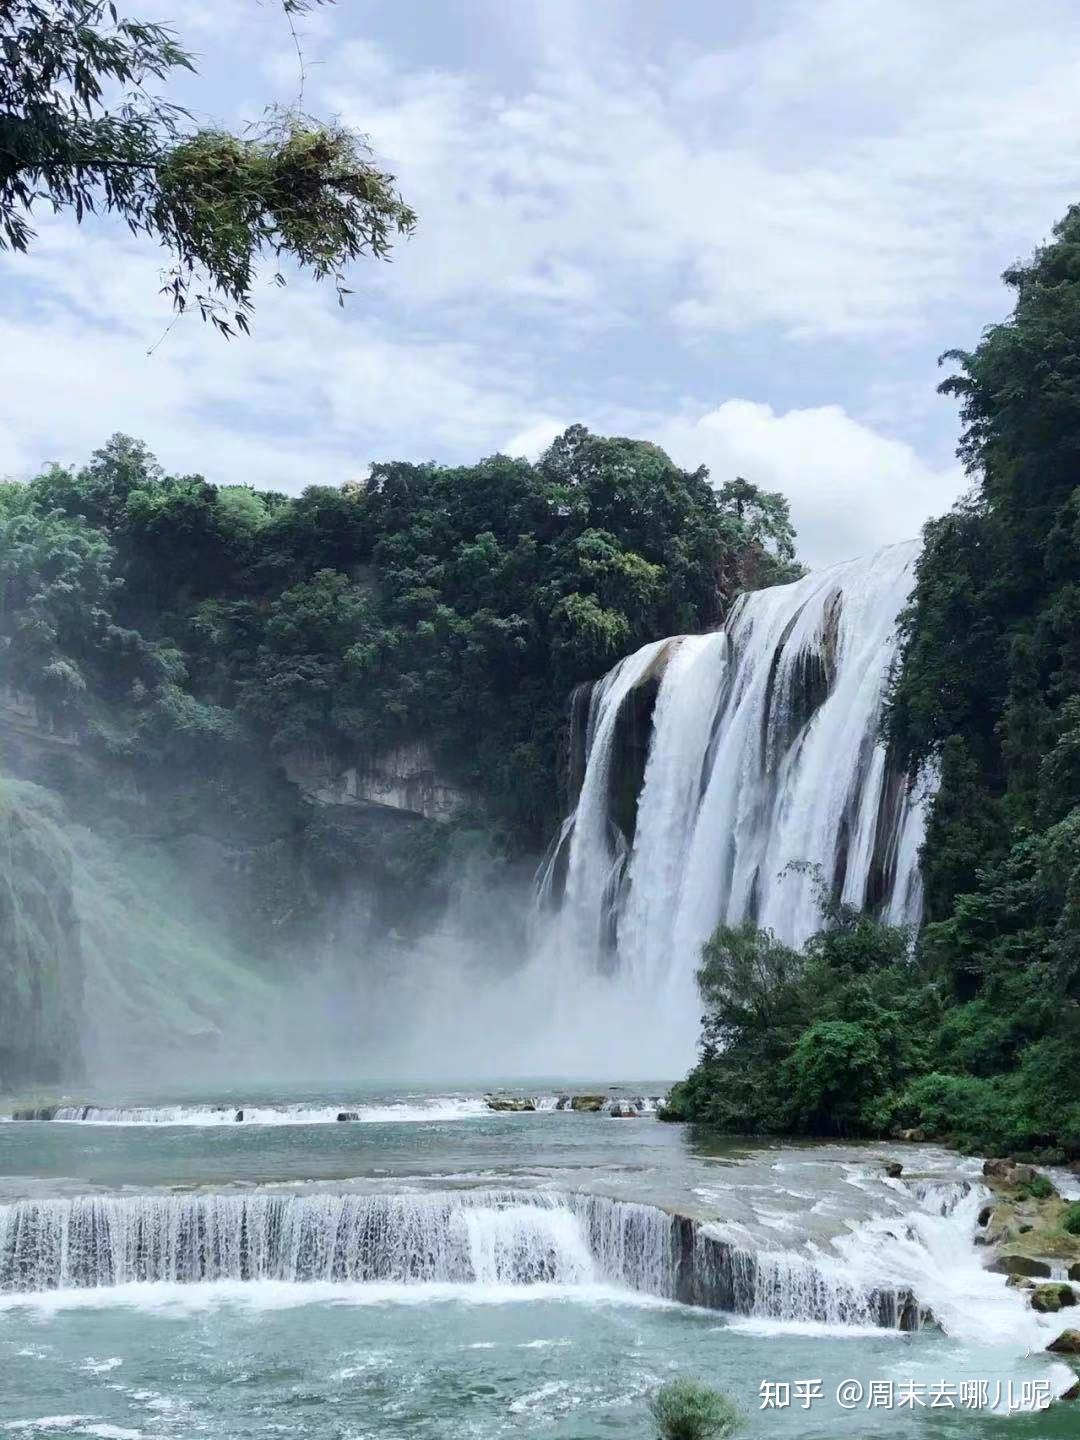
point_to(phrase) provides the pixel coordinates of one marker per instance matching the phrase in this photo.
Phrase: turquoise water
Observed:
(572, 1357)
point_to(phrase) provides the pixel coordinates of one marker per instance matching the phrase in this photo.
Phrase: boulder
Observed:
(238, 1116)
(893, 1169)
(997, 1169)
(1067, 1343)
(1020, 1265)
(985, 1214)
(992, 1237)
(1009, 1172)
(588, 1103)
(1074, 1271)
(1020, 1282)
(917, 1136)
(1049, 1299)
(1073, 1392)
(348, 1115)
(513, 1103)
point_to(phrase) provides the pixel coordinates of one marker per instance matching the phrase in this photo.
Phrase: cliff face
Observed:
(405, 778)
(41, 963)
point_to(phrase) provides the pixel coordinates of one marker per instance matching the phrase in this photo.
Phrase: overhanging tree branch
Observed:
(295, 189)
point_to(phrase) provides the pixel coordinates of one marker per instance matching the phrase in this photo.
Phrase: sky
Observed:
(744, 231)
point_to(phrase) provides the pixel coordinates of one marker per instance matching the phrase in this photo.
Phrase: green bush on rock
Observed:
(685, 1409)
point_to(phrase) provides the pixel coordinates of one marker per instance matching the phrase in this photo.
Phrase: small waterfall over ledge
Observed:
(466, 1237)
(760, 750)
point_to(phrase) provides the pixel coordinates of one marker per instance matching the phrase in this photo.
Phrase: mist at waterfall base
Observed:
(763, 776)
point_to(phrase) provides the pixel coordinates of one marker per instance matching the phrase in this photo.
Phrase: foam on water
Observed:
(73, 1425)
(437, 1108)
(173, 1297)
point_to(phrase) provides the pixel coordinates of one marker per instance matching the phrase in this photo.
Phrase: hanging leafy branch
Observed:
(81, 131)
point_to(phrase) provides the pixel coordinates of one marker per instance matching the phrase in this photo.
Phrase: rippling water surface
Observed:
(530, 1325)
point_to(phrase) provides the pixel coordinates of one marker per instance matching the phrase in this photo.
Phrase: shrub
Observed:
(1071, 1219)
(1040, 1188)
(686, 1409)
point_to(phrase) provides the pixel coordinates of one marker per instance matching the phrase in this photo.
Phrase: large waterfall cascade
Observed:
(764, 770)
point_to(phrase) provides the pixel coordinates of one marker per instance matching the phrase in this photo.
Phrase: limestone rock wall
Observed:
(405, 778)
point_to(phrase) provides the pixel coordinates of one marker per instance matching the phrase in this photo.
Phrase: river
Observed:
(433, 1268)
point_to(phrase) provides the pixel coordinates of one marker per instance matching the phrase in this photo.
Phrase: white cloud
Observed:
(836, 174)
(535, 438)
(303, 401)
(801, 201)
(851, 488)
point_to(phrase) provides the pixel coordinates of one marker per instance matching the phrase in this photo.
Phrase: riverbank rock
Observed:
(589, 1104)
(1049, 1299)
(1067, 1343)
(993, 1237)
(512, 1103)
(1021, 1265)
(1009, 1172)
(1074, 1271)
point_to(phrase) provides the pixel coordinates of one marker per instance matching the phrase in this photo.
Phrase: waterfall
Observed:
(469, 1237)
(485, 1236)
(419, 1111)
(764, 769)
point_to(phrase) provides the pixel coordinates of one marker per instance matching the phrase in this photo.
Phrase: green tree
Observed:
(57, 587)
(81, 130)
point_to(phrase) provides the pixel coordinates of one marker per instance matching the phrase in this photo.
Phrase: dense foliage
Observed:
(816, 1042)
(81, 130)
(452, 605)
(201, 640)
(976, 1036)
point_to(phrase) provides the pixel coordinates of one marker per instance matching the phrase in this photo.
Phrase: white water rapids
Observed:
(466, 1237)
(884, 1274)
(764, 770)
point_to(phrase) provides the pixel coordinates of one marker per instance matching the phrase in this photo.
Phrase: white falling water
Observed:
(466, 1237)
(423, 1110)
(473, 1238)
(764, 770)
